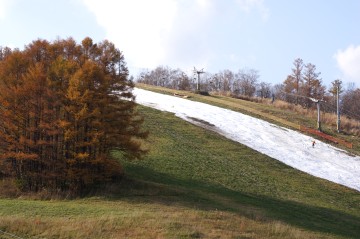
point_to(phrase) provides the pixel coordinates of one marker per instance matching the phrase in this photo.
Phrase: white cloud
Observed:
(249, 5)
(4, 5)
(203, 3)
(348, 61)
(138, 27)
(176, 33)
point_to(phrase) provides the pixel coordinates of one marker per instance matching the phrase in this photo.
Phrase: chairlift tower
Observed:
(318, 112)
(337, 107)
(198, 79)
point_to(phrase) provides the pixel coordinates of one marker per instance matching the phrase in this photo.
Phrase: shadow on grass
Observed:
(147, 185)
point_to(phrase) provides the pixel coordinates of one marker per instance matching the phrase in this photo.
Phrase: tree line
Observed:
(244, 82)
(302, 84)
(64, 107)
(305, 83)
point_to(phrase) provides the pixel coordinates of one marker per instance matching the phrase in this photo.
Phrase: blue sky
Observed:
(266, 35)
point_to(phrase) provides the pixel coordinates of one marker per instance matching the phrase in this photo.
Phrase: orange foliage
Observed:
(62, 110)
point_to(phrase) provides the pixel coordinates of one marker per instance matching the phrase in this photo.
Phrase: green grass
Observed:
(230, 174)
(194, 184)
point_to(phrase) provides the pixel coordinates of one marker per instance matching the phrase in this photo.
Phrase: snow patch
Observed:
(285, 145)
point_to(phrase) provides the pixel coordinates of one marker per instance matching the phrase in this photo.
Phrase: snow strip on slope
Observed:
(285, 145)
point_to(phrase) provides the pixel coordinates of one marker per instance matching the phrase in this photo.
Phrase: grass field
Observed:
(193, 184)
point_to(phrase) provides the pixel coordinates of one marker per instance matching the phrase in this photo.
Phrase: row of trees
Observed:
(244, 82)
(300, 85)
(350, 102)
(63, 107)
(304, 83)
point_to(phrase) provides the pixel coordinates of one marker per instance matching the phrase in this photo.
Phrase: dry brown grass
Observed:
(348, 126)
(148, 221)
(8, 188)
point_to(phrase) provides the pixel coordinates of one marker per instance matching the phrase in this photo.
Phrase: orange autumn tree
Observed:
(63, 108)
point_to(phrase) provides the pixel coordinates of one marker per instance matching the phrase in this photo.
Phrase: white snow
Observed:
(285, 145)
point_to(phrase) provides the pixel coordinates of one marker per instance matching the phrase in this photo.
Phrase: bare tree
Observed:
(264, 90)
(226, 78)
(350, 103)
(246, 81)
(177, 79)
(206, 80)
(216, 83)
(166, 77)
(278, 92)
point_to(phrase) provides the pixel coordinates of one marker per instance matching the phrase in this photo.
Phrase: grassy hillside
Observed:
(193, 184)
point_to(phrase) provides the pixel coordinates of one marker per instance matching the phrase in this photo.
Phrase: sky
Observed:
(288, 146)
(213, 35)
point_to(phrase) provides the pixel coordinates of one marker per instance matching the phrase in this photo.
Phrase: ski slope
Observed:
(285, 145)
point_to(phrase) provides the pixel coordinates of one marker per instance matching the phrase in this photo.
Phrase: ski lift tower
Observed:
(318, 112)
(198, 79)
(337, 107)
